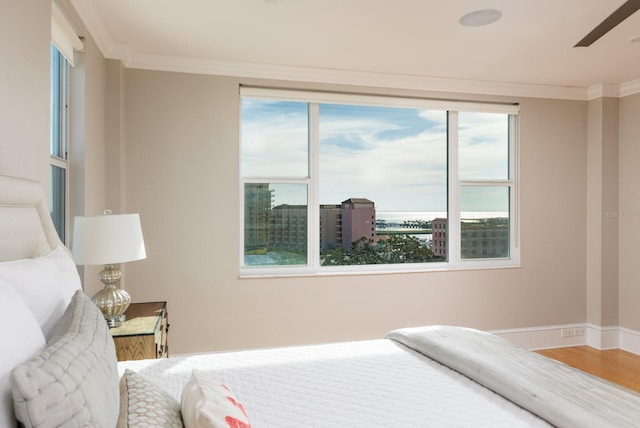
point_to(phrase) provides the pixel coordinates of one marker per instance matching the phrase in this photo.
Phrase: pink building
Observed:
(358, 220)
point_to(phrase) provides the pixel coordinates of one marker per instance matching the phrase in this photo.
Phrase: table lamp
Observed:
(106, 240)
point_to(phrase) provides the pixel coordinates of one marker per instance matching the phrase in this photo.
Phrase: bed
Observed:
(59, 368)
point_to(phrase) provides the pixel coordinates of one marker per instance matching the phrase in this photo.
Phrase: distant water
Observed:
(394, 221)
(401, 216)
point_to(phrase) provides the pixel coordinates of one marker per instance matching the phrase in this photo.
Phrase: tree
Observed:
(404, 249)
(395, 249)
(362, 252)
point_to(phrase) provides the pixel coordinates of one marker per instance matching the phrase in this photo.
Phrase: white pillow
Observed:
(73, 382)
(143, 404)
(45, 283)
(208, 404)
(21, 340)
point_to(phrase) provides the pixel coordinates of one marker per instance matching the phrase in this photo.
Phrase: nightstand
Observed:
(144, 333)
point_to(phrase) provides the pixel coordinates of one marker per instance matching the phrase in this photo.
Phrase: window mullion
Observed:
(453, 232)
(485, 183)
(514, 202)
(64, 108)
(313, 238)
(59, 162)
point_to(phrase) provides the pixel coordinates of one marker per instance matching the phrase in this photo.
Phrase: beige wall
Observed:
(25, 40)
(88, 143)
(25, 37)
(629, 220)
(182, 176)
(602, 209)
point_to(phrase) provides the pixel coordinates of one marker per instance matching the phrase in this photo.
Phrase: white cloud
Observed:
(483, 146)
(400, 165)
(283, 140)
(399, 174)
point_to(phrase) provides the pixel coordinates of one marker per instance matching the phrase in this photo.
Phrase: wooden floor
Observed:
(617, 366)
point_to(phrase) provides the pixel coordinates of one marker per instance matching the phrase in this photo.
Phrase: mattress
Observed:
(357, 384)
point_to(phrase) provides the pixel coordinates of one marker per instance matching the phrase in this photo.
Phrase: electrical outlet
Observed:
(566, 332)
(579, 331)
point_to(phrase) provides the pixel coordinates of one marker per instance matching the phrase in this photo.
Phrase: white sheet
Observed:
(561, 394)
(376, 383)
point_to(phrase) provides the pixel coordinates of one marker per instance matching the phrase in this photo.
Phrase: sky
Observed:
(393, 156)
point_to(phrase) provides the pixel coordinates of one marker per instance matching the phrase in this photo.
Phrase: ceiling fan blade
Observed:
(623, 12)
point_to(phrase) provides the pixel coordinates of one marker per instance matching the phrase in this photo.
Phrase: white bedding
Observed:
(354, 384)
(559, 393)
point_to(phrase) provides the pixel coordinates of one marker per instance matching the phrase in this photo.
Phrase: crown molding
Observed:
(603, 90)
(346, 77)
(111, 49)
(630, 88)
(613, 90)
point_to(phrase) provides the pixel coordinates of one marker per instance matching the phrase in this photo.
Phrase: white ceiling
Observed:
(402, 43)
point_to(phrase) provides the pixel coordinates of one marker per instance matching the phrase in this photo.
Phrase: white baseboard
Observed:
(549, 337)
(603, 337)
(546, 337)
(630, 340)
(562, 336)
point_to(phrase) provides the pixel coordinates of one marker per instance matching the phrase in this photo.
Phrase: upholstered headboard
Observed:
(61, 360)
(26, 229)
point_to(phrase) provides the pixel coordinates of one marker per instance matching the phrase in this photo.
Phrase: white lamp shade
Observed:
(107, 239)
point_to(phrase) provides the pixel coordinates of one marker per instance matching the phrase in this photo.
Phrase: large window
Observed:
(335, 182)
(59, 141)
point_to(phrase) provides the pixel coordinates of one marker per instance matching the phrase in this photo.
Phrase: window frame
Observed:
(59, 140)
(454, 184)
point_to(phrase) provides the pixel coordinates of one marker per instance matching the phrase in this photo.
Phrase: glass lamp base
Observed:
(111, 300)
(115, 321)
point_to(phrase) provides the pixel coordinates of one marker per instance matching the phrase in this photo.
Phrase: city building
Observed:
(439, 237)
(284, 227)
(358, 220)
(258, 199)
(330, 227)
(481, 238)
(288, 228)
(485, 238)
